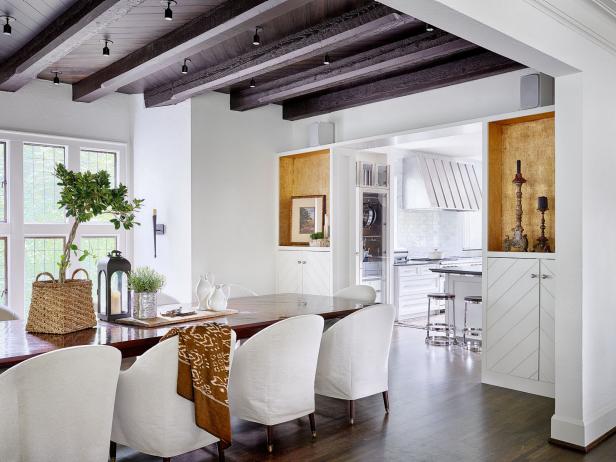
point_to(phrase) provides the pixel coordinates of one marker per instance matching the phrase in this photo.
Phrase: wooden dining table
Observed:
(254, 314)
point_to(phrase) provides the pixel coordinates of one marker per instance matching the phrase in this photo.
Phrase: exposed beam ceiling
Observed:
(207, 30)
(371, 20)
(404, 54)
(462, 70)
(80, 22)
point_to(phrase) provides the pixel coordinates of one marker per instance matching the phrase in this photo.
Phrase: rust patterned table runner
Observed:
(203, 374)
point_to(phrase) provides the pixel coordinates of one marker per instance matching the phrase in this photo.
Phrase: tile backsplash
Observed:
(423, 231)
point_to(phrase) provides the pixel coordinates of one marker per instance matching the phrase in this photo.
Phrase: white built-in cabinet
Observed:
(304, 272)
(519, 323)
(412, 285)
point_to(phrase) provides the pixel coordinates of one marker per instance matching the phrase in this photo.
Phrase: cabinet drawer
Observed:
(425, 285)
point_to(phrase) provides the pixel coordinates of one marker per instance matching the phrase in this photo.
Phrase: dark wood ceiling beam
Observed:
(78, 23)
(404, 54)
(222, 22)
(474, 67)
(370, 20)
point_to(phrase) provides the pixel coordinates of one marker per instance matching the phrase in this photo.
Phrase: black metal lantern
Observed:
(113, 294)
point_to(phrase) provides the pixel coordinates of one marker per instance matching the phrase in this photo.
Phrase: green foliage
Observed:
(85, 195)
(145, 279)
(315, 236)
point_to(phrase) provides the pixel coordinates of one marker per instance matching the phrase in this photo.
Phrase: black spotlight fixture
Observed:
(429, 28)
(56, 79)
(7, 29)
(253, 83)
(185, 66)
(256, 40)
(326, 60)
(107, 42)
(168, 10)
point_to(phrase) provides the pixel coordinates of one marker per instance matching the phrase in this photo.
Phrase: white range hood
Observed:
(432, 182)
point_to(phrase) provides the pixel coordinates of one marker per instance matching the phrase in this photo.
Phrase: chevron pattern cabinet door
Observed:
(288, 269)
(512, 317)
(546, 321)
(316, 273)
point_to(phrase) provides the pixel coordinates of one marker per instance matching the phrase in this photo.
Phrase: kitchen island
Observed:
(463, 280)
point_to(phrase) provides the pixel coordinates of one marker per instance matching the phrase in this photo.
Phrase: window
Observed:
(41, 190)
(3, 181)
(3, 281)
(34, 229)
(95, 161)
(41, 255)
(99, 247)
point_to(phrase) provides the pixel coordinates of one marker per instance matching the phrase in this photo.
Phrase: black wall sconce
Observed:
(158, 228)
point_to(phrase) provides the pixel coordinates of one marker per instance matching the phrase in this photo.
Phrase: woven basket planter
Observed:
(60, 308)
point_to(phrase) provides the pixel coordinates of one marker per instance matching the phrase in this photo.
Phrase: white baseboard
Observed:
(517, 383)
(584, 433)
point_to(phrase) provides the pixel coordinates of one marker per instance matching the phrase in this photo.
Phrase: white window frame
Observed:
(15, 230)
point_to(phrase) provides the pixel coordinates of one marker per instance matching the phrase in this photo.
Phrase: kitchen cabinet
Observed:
(304, 272)
(412, 286)
(519, 324)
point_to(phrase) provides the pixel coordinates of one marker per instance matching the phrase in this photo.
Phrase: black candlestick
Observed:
(519, 166)
(542, 203)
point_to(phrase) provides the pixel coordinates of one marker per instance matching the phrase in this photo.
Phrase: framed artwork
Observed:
(307, 215)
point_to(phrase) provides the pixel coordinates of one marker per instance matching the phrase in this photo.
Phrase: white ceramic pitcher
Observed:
(218, 299)
(204, 290)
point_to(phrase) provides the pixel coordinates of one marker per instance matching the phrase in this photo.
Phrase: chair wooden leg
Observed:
(112, 451)
(270, 438)
(313, 427)
(352, 412)
(221, 451)
(166, 459)
(386, 401)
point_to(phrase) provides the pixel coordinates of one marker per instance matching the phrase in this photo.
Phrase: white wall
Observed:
(161, 166)
(493, 95)
(233, 158)
(41, 107)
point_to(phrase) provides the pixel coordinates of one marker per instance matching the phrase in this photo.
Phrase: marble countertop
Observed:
(464, 270)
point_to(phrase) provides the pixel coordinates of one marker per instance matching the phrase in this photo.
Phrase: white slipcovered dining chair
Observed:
(272, 376)
(361, 293)
(6, 314)
(354, 356)
(59, 406)
(166, 299)
(237, 291)
(149, 415)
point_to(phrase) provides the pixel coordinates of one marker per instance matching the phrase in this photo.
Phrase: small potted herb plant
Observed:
(145, 284)
(316, 239)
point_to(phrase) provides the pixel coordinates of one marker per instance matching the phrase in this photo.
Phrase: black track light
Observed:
(168, 10)
(429, 28)
(256, 40)
(326, 60)
(185, 66)
(253, 83)
(56, 79)
(106, 51)
(7, 29)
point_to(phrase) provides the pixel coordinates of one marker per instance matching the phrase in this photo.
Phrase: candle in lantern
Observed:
(116, 302)
(542, 203)
(519, 166)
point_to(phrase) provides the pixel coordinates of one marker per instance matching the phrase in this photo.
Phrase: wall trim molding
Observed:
(555, 11)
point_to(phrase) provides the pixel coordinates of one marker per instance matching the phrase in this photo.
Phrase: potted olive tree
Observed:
(145, 284)
(64, 304)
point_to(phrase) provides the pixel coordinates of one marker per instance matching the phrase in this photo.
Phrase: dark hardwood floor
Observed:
(439, 412)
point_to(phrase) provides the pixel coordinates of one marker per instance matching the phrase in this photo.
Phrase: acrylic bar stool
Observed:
(446, 329)
(473, 344)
